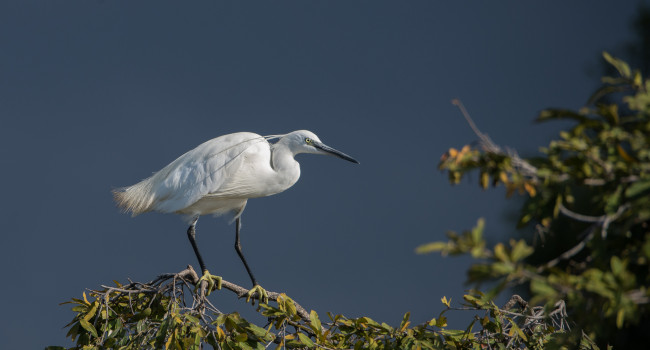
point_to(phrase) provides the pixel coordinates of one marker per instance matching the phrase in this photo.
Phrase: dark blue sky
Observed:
(96, 95)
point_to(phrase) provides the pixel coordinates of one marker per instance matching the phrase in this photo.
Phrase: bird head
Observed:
(305, 141)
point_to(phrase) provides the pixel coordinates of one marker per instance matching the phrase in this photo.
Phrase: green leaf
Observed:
(557, 114)
(286, 304)
(140, 325)
(638, 188)
(80, 308)
(617, 265)
(244, 346)
(92, 311)
(614, 81)
(73, 331)
(305, 340)
(622, 67)
(609, 112)
(620, 318)
(603, 91)
(387, 327)
(405, 322)
(614, 200)
(118, 325)
(521, 250)
(514, 329)
(441, 322)
(87, 326)
(191, 318)
(455, 334)
(502, 268)
(477, 231)
(431, 247)
(539, 287)
(315, 322)
(500, 252)
(241, 337)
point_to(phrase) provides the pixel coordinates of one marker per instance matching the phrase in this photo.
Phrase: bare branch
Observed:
(522, 165)
(484, 139)
(603, 220)
(580, 217)
(569, 253)
(519, 312)
(489, 146)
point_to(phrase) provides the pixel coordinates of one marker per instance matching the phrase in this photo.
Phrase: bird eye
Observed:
(308, 140)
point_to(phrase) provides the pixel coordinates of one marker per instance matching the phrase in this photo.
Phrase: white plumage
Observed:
(220, 175)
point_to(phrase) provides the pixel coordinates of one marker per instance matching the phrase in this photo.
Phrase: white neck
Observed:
(286, 167)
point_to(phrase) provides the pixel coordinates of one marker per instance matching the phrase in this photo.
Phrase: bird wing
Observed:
(201, 171)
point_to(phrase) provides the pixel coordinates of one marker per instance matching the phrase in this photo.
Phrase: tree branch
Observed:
(522, 165)
(489, 146)
(189, 276)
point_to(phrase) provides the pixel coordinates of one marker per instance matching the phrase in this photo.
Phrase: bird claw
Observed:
(263, 296)
(214, 282)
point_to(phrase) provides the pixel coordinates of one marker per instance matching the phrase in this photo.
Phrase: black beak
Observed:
(332, 151)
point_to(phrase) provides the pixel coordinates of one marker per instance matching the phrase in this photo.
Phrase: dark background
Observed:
(96, 95)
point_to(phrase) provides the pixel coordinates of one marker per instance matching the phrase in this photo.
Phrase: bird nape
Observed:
(218, 177)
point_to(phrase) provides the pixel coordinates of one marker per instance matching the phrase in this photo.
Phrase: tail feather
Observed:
(136, 199)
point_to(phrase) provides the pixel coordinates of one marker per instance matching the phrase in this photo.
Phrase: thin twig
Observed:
(484, 139)
(569, 253)
(201, 301)
(489, 146)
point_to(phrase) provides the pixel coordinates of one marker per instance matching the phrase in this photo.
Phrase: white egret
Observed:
(218, 177)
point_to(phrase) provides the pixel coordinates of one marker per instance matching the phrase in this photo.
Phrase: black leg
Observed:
(239, 252)
(191, 233)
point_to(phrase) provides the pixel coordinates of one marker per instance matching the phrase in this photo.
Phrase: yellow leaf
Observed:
(500, 252)
(169, 341)
(92, 311)
(530, 189)
(620, 317)
(637, 78)
(624, 154)
(86, 300)
(453, 152)
(503, 177)
(485, 180)
(445, 301)
(221, 335)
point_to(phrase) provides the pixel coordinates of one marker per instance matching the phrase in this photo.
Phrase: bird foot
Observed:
(214, 282)
(262, 295)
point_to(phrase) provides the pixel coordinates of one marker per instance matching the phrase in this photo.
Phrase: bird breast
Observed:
(260, 176)
(257, 175)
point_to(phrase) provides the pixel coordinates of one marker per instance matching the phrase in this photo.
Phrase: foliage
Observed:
(156, 315)
(587, 202)
(588, 205)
